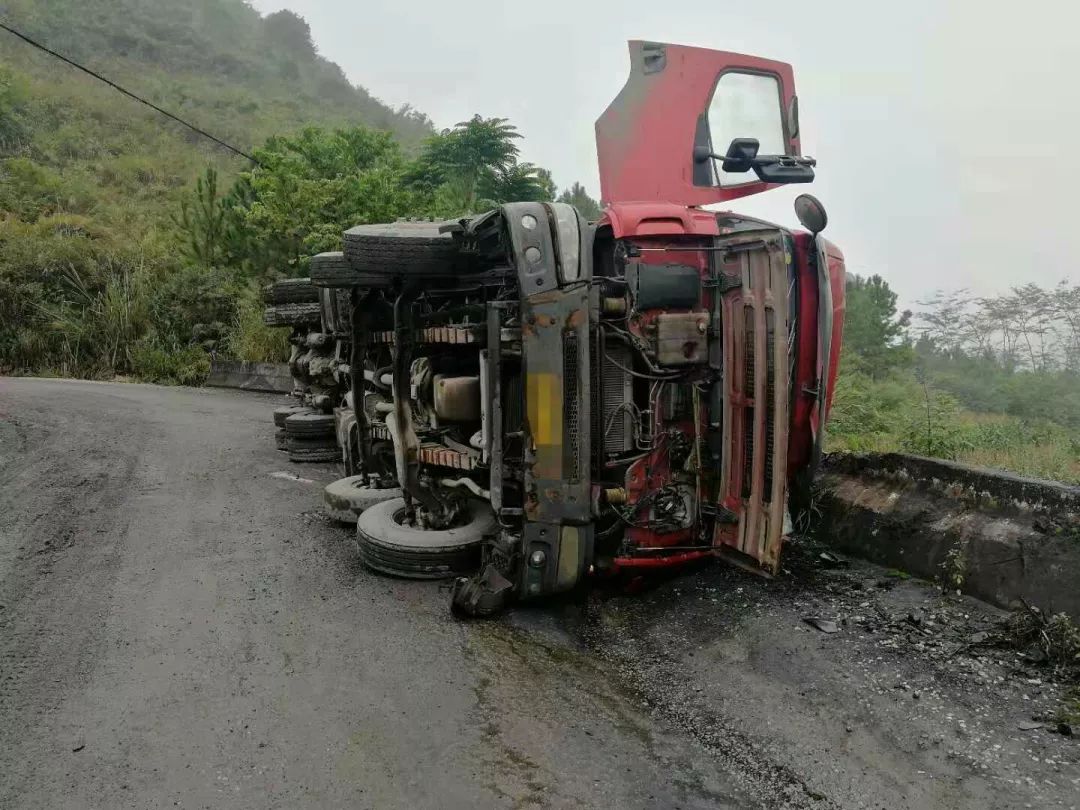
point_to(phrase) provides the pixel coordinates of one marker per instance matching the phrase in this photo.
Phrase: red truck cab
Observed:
(695, 127)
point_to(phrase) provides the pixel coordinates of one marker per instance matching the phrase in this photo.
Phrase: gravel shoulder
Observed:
(179, 626)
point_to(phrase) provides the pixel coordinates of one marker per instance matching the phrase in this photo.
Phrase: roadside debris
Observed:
(824, 625)
(1053, 640)
(830, 560)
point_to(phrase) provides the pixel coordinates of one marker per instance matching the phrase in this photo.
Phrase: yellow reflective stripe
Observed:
(544, 393)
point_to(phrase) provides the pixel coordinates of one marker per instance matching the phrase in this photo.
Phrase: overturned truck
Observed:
(533, 398)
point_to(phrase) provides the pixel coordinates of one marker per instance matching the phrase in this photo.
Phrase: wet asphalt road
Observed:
(179, 626)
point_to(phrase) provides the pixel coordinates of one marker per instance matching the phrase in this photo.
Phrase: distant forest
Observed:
(990, 380)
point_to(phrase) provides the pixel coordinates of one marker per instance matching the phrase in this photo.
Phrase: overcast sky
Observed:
(944, 131)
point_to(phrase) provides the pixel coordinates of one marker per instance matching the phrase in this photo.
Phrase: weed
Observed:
(954, 567)
(252, 340)
(187, 365)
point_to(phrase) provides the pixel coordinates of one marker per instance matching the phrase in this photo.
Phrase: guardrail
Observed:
(998, 536)
(269, 377)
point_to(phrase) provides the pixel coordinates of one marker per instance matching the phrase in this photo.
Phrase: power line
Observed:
(128, 93)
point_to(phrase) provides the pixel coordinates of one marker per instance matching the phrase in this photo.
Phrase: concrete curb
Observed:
(1005, 537)
(270, 377)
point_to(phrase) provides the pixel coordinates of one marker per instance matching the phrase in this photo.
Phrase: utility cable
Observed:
(128, 93)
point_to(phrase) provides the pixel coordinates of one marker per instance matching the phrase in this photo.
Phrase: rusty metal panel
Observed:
(755, 433)
(681, 338)
(442, 456)
(457, 398)
(555, 342)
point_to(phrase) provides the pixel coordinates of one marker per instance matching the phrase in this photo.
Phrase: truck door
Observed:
(680, 106)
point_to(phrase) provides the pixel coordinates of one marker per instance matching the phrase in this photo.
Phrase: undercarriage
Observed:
(546, 401)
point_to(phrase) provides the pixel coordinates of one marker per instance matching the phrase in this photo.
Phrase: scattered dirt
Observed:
(910, 704)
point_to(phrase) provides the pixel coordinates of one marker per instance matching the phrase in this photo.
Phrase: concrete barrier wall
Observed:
(1003, 537)
(271, 377)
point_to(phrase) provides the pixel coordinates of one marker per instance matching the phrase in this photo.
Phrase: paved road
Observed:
(180, 627)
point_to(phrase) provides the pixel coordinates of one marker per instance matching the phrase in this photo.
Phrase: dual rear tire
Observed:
(389, 546)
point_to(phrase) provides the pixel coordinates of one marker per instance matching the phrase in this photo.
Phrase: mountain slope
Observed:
(217, 57)
(69, 143)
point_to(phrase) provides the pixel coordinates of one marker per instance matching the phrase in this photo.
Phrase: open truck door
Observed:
(680, 129)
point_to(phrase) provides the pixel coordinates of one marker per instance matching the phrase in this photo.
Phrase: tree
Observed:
(289, 31)
(521, 182)
(1065, 310)
(547, 185)
(202, 223)
(1028, 327)
(471, 156)
(312, 186)
(872, 330)
(580, 199)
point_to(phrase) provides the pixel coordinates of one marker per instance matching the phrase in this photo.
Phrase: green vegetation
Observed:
(578, 197)
(129, 245)
(990, 381)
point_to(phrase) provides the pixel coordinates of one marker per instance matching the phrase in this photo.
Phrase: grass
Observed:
(897, 414)
(251, 339)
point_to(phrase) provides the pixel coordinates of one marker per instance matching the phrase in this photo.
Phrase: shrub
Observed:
(935, 428)
(252, 340)
(188, 365)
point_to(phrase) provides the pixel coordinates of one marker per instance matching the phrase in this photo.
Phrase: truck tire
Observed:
(349, 497)
(312, 449)
(334, 271)
(313, 454)
(312, 425)
(291, 291)
(281, 438)
(285, 411)
(386, 546)
(293, 315)
(402, 249)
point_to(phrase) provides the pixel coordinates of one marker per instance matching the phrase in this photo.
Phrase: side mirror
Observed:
(740, 155)
(811, 213)
(784, 169)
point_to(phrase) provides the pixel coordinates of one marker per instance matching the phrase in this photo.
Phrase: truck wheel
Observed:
(312, 425)
(387, 546)
(291, 291)
(312, 450)
(401, 248)
(349, 497)
(285, 411)
(293, 315)
(334, 270)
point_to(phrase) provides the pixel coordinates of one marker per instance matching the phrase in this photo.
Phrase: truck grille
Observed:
(571, 375)
(770, 402)
(749, 381)
(614, 423)
(755, 407)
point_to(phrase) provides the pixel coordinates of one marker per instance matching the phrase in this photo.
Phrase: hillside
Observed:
(130, 245)
(217, 63)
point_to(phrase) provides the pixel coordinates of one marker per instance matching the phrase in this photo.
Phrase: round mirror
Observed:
(811, 213)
